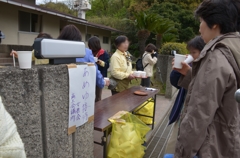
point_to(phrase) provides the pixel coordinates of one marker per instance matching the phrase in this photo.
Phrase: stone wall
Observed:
(38, 101)
(20, 94)
(162, 63)
(165, 65)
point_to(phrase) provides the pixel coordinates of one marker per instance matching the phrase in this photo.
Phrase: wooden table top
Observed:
(124, 101)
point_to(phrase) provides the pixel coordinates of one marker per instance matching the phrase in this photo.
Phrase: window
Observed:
(88, 36)
(29, 22)
(105, 40)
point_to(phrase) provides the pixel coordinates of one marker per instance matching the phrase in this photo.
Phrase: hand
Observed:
(173, 63)
(154, 55)
(131, 76)
(14, 53)
(184, 70)
(101, 63)
(107, 82)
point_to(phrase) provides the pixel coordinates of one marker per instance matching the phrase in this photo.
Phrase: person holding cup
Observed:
(149, 59)
(102, 59)
(194, 46)
(36, 61)
(101, 56)
(121, 65)
(210, 121)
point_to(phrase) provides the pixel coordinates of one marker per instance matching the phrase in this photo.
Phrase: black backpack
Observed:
(139, 64)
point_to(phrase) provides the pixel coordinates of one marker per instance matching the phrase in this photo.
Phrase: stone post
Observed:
(165, 65)
(38, 101)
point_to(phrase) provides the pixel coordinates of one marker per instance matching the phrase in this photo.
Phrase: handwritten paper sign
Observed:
(82, 84)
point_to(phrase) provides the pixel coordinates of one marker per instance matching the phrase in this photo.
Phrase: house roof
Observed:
(30, 6)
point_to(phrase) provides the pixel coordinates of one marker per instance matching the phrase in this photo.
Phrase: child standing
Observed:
(194, 46)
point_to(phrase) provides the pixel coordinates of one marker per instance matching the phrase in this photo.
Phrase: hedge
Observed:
(170, 46)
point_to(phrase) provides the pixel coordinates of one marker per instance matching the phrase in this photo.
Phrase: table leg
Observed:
(154, 110)
(104, 143)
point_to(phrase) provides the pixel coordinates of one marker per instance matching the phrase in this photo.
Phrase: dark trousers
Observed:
(98, 94)
(114, 92)
(146, 82)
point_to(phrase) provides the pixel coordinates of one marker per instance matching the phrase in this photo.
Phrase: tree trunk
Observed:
(142, 38)
(122, 3)
(158, 41)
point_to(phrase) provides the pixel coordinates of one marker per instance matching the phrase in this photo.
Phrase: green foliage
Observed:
(164, 26)
(168, 47)
(188, 4)
(124, 25)
(183, 18)
(133, 49)
(117, 23)
(186, 34)
(176, 21)
(146, 21)
(61, 7)
(111, 8)
(169, 37)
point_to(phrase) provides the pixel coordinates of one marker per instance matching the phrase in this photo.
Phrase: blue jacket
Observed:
(104, 70)
(177, 107)
(89, 58)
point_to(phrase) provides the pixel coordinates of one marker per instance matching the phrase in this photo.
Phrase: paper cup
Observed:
(25, 59)
(138, 74)
(178, 60)
(106, 79)
(189, 59)
(95, 59)
(144, 74)
(134, 73)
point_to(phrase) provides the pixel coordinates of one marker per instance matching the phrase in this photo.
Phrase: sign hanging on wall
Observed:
(82, 84)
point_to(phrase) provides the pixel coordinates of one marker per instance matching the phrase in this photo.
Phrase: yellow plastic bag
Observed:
(145, 110)
(128, 135)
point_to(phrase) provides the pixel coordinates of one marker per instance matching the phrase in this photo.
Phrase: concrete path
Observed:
(162, 108)
(157, 143)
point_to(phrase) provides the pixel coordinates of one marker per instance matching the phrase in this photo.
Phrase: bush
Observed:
(168, 47)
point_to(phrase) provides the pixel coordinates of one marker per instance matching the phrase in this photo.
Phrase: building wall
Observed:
(51, 24)
(9, 25)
